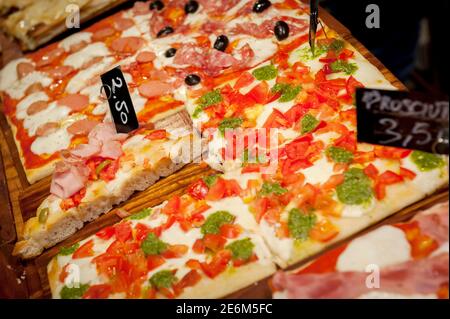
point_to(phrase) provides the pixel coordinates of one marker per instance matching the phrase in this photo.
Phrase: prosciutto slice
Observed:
(266, 29)
(212, 61)
(424, 276)
(434, 222)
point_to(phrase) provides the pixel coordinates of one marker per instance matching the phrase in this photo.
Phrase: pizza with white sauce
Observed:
(401, 261)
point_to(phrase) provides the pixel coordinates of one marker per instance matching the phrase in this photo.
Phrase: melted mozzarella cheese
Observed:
(138, 101)
(320, 172)
(51, 143)
(79, 58)
(262, 48)
(131, 32)
(8, 75)
(17, 90)
(75, 39)
(427, 181)
(356, 211)
(53, 113)
(281, 246)
(382, 247)
(78, 82)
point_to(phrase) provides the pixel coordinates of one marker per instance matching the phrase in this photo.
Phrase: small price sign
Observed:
(403, 119)
(122, 110)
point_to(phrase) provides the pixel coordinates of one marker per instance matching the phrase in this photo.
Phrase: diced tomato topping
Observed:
(406, 173)
(175, 251)
(172, 206)
(198, 246)
(123, 231)
(109, 172)
(74, 200)
(389, 178)
(154, 261)
(64, 273)
(156, 135)
(371, 171)
(214, 242)
(421, 244)
(194, 264)
(352, 84)
(189, 280)
(333, 181)
(86, 250)
(101, 291)
(391, 152)
(106, 233)
(259, 93)
(230, 230)
(244, 80)
(218, 263)
(217, 191)
(276, 120)
(323, 231)
(198, 189)
(141, 232)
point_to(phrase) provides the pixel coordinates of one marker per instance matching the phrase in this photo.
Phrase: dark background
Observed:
(412, 40)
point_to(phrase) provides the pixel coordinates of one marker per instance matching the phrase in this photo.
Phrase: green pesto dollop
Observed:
(356, 188)
(272, 188)
(141, 214)
(343, 66)
(163, 279)
(210, 180)
(73, 292)
(308, 123)
(339, 155)
(288, 92)
(300, 224)
(152, 245)
(426, 161)
(265, 73)
(66, 251)
(215, 221)
(207, 99)
(241, 249)
(229, 123)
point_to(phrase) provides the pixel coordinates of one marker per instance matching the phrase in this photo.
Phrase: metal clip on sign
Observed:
(313, 21)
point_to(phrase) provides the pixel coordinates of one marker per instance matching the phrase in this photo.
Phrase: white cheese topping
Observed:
(75, 39)
(17, 89)
(320, 172)
(53, 113)
(79, 58)
(23, 105)
(78, 82)
(8, 75)
(383, 247)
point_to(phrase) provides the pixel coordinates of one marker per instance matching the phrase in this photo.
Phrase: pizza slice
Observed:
(401, 261)
(34, 23)
(94, 177)
(194, 246)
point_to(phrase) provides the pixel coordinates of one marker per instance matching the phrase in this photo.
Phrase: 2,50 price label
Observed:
(116, 90)
(402, 119)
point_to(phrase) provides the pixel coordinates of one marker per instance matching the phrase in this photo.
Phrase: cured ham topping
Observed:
(47, 128)
(127, 45)
(151, 89)
(216, 6)
(24, 68)
(103, 34)
(82, 127)
(76, 102)
(121, 24)
(72, 173)
(58, 72)
(266, 29)
(37, 107)
(145, 57)
(434, 223)
(49, 57)
(212, 61)
(424, 276)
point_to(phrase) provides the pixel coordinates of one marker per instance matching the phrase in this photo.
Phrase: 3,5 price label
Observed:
(402, 119)
(116, 91)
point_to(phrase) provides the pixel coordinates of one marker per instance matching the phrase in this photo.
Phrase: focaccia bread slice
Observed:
(83, 189)
(35, 23)
(188, 247)
(403, 260)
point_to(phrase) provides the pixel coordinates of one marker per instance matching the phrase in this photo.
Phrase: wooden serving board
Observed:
(29, 279)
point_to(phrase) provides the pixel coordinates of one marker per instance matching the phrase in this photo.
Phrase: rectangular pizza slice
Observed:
(94, 177)
(192, 246)
(401, 261)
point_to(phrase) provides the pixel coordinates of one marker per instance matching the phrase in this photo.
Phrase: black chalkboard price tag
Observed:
(122, 110)
(403, 119)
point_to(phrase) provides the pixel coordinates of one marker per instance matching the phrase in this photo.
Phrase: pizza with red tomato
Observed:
(193, 246)
(405, 260)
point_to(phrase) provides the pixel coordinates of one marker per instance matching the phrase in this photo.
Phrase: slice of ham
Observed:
(434, 222)
(111, 149)
(157, 22)
(140, 8)
(86, 150)
(152, 88)
(145, 57)
(102, 34)
(37, 107)
(266, 29)
(218, 6)
(82, 127)
(104, 132)
(76, 102)
(49, 57)
(213, 27)
(127, 45)
(212, 61)
(122, 24)
(423, 276)
(47, 129)
(78, 46)
(24, 68)
(58, 72)
(69, 178)
(33, 88)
